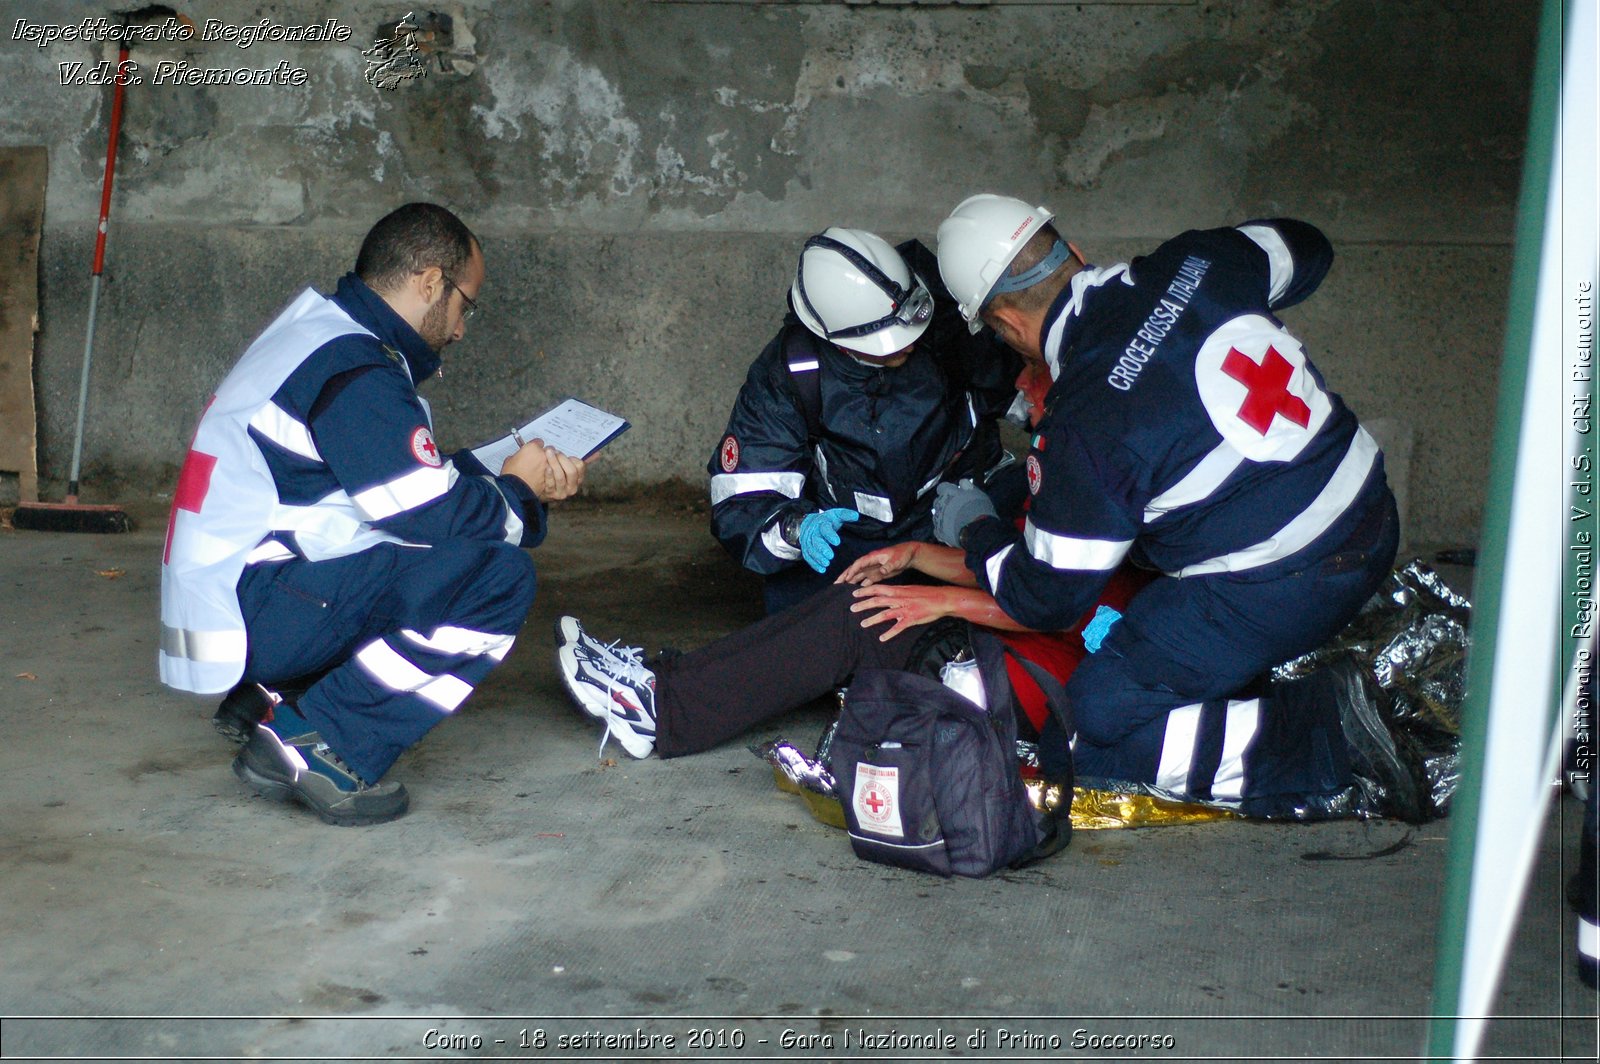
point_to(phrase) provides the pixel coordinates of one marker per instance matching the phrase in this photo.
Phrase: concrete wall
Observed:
(642, 174)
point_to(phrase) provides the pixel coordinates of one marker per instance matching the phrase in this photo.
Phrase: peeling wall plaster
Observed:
(642, 172)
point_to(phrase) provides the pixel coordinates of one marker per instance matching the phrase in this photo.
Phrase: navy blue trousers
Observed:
(404, 632)
(1191, 645)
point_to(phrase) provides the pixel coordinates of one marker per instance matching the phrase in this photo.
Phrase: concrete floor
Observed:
(533, 889)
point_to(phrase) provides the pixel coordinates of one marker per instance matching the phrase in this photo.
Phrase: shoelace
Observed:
(324, 751)
(616, 660)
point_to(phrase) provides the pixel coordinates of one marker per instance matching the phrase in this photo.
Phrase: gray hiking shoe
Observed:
(305, 769)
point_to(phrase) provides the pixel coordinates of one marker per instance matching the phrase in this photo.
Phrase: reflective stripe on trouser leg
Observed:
(1299, 753)
(409, 632)
(1202, 754)
(1261, 755)
(1186, 643)
(392, 692)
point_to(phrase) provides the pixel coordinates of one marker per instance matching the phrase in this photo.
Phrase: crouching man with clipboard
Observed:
(346, 583)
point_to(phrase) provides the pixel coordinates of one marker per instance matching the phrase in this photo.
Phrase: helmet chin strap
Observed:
(863, 360)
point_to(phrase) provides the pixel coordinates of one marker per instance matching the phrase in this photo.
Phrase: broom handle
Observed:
(99, 264)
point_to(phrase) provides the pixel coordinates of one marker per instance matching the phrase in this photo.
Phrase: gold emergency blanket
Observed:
(1092, 810)
(1396, 675)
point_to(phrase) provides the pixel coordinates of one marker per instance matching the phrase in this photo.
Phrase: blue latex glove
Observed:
(819, 534)
(1099, 626)
(956, 506)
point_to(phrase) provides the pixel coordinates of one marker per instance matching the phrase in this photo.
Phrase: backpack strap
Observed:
(1055, 694)
(803, 368)
(991, 652)
(1052, 825)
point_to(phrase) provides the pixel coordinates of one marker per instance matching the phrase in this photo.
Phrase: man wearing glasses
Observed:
(346, 583)
(871, 395)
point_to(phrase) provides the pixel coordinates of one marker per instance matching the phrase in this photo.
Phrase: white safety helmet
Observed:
(853, 289)
(977, 243)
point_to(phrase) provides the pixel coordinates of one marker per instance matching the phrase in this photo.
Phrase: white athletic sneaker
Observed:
(610, 683)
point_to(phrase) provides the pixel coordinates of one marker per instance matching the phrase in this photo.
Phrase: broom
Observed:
(72, 515)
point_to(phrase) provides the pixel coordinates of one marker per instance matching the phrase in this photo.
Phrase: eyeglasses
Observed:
(472, 304)
(909, 306)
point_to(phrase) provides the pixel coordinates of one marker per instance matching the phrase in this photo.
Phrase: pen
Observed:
(515, 435)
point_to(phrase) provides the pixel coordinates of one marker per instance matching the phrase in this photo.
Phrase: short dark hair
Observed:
(1041, 295)
(410, 239)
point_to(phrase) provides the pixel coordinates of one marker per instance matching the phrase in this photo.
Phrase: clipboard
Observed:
(572, 427)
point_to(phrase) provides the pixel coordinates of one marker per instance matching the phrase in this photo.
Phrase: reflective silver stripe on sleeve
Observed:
(1206, 477)
(513, 524)
(203, 646)
(1335, 497)
(331, 527)
(773, 540)
(279, 426)
(1282, 263)
(993, 564)
(805, 365)
(406, 492)
(725, 486)
(1071, 552)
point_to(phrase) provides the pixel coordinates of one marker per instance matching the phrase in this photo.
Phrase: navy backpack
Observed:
(930, 781)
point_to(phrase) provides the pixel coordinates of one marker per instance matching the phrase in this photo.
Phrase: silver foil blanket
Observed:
(805, 773)
(1411, 638)
(1400, 665)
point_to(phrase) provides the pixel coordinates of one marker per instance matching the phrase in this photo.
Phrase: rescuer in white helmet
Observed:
(870, 396)
(1186, 432)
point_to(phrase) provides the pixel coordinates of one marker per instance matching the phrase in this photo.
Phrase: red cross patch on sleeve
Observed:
(730, 453)
(1258, 389)
(423, 448)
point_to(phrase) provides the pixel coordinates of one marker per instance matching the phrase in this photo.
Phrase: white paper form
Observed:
(571, 427)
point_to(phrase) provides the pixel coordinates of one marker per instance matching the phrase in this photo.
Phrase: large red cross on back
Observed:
(1268, 394)
(194, 481)
(193, 484)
